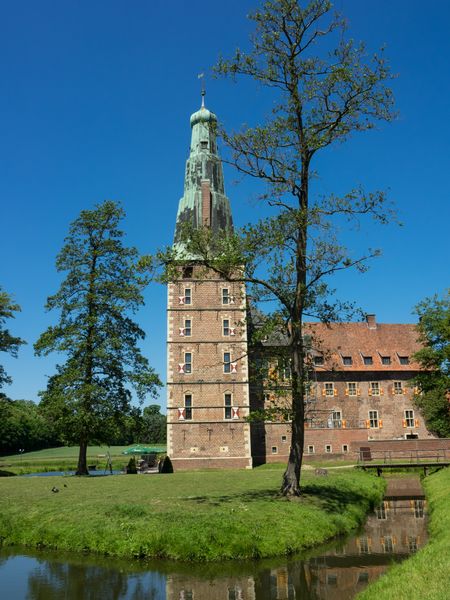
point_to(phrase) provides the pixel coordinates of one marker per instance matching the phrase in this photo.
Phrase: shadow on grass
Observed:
(250, 496)
(6, 474)
(330, 498)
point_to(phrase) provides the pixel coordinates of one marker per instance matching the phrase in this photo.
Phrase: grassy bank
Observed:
(426, 575)
(63, 459)
(186, 516)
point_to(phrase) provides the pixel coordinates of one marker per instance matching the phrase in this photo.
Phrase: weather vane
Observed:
(202, 77)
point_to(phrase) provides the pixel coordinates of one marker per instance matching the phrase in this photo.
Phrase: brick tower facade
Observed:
(207, 368)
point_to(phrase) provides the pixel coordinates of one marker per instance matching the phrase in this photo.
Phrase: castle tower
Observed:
(207, 368)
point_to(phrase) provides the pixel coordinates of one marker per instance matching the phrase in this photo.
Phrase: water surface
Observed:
(338, 571)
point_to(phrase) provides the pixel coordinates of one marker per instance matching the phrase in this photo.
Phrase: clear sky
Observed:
(95, 102)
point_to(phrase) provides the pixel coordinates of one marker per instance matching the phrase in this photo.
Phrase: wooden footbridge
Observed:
(403, 459)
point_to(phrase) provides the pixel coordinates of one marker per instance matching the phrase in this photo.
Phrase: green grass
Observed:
(64, 459)
(426, 575)
(199, 516)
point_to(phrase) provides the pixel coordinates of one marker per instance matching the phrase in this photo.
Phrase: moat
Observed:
(340, 570)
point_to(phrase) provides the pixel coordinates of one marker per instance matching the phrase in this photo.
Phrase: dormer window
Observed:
(385, 360)
(318, 361)
(367, 360)
(347, 361)
(404, 360)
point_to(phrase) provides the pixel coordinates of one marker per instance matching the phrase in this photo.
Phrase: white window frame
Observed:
(375, 388)
(188, 407)
(188, 363)
(274, 450)
(327, 388)
(226, 329)
(398, 388)
(344, 448)
(328, 449)
(228, 365)
(311, 449)
(410, 421)
(228, 408)
(349, 390)
(187, 296)
(226, 296)
(374, 418)
(185, 328)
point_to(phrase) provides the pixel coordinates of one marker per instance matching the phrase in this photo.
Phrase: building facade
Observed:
(360, 388)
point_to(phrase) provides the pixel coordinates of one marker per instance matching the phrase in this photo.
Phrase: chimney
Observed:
(371, 321)
(206, 203)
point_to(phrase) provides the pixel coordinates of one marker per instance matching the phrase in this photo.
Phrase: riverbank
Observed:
(198, 516)
(426, 575)
(64, 458)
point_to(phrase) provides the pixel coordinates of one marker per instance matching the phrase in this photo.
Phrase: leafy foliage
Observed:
(89, 394)
(8, 342)
(434, 381)
(23, 427)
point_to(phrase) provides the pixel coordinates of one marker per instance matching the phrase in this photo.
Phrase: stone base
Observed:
(192, 464)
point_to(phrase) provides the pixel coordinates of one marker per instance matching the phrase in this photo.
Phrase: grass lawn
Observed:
(198, 516)
(426, 575)
(64, 459)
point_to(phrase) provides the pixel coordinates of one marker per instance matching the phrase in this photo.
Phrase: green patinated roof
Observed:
(203, 164)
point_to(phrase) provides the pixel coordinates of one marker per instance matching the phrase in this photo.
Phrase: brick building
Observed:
(360, 372)
(207, 373)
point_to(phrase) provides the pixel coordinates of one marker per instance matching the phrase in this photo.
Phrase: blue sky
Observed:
(95, 103)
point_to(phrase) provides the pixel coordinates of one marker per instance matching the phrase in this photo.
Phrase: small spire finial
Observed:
(202, 77)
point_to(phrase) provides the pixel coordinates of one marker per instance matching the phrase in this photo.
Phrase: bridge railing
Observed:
(412, 456)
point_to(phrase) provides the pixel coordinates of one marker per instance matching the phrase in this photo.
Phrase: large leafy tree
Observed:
(90, 392)
(433, 381)
(324, 88)
(8, 342)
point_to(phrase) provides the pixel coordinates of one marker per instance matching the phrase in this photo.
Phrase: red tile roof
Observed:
(358, 340)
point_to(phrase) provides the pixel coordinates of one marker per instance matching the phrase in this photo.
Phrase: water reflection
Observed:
(396, 529)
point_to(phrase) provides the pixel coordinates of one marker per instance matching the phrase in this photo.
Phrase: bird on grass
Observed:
(55, 489)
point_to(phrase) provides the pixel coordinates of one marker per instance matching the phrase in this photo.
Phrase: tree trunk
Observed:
(291, 478)
(82, 459)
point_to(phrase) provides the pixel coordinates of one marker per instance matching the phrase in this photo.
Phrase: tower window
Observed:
(228, 401)
(187, 272)
(225, 296)
(203, 145)
(187, 296)
(188, 362)
(227, 362)
(187, 327)
(188, 407)
(226, 327)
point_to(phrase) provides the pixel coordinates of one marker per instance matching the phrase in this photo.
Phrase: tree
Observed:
(433, 381)
(324, 89)
(8, 342)
(89, 394)
(153, 425)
